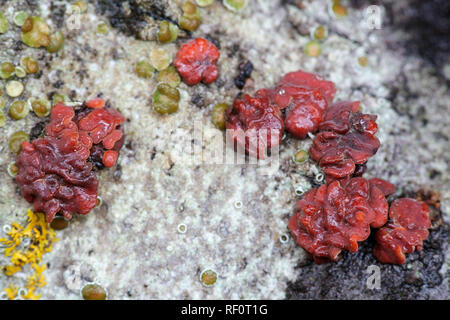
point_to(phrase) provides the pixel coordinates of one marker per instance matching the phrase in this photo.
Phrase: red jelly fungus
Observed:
(407, 228)
(196, 61)
(336, 216)
(53, 172)
(255, 124)
(346, 139)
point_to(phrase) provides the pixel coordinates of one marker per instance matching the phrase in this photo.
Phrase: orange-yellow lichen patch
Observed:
(25, 245)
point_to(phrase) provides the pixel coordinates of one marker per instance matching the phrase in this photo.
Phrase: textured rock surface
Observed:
(131, 245)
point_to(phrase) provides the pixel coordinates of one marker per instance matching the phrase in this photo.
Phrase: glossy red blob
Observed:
(53, 172)
(406, 230)
(336, 216)
(255, 124)
(102, 126)
(305, 98)
(196, 61)
(346, 139)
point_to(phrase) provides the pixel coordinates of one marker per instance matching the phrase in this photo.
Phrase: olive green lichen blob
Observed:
(56, 42)
(144, 69)
(3, 23)
(35, 32)
(93, 291)
(313, 48)
(165, 99)
(20, 17)
(234, 5)
(301, 156)
(41, 107)
(19, 109)
(29, 64)
(16, 140)
(218, 115)
(190, 20)
(168, 32)
(208, 277)
(204, 3)
(160, 59)
(169, 76)
(6, 70)
(14, 88)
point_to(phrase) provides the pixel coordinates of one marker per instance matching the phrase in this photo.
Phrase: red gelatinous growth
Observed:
(255, 124)
(338, 215)
(53, 172)
(197, 61)
(102, 125)
(346, 139)
(407, 228)
(305, 98)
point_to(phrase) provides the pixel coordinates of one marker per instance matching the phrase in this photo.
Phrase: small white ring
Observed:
(238, 204)
(319, 177)
(284, 238)
(6, 228)
(182, 228)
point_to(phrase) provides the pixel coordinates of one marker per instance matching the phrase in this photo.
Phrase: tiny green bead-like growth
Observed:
(59, 223)
(160, 59)
(16, 140)
(93, 291)
(168, 32)
(218, 115)
(56, 42)
(20, 72)
(80, 6)
(165, 99)
(2, 118)
(204, 3)
(6, 70)
(208, 277)
(35, 32)
(19, 109)
(29, 64)
(13, 170)
(102, 28)
(14, 88)
(320, 33)
(20, 17)
(59, 98)
(234, 5)
(190, 20)
(41, 107)
(313, 48)
(3, 23)
(144, 69)
(169, 76)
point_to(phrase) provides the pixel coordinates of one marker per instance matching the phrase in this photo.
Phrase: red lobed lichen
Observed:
(346, 139)
(53, 172)
(338, 215)
(407, 228)
(196, 61)
(255, 124)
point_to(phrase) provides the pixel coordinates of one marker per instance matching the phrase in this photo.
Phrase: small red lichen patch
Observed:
(54, 172)
(255, 124)
(197, 61)
(346, 139)
(95, 103)
(102, 126)
(407, 228)
(336, 216)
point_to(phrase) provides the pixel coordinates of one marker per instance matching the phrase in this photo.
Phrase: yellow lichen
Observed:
(41, 238)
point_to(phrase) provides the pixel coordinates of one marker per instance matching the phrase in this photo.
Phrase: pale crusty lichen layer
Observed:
(130, 245)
